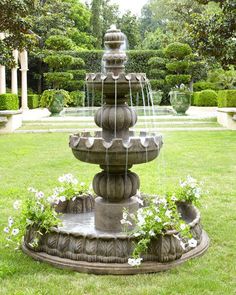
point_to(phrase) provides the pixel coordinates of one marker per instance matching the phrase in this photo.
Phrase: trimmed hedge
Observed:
(33, 101)
(9, 101)
(203, 85)
(205, 98)
(226, 98)
(78, 98)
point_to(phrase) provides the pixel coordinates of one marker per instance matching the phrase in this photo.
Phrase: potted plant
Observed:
(55, 100)
(180, 99)
(157, 97)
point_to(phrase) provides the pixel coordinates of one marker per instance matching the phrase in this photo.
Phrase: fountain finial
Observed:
(114, 57)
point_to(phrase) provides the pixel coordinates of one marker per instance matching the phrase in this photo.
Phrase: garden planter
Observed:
(180, 101)
(57, 103)
(157, 97)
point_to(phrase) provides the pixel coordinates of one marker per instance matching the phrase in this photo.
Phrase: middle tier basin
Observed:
(139, 148)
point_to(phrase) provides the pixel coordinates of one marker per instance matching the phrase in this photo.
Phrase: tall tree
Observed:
(96, 21)
(12, 21)
(215, 34)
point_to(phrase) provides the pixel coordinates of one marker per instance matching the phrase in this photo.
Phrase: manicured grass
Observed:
(38, 159)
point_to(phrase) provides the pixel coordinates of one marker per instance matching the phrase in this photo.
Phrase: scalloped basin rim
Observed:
(90, 77)
(144, 139)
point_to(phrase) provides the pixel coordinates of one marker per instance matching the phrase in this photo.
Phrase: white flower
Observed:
(74, 181)
(6, 230)
(124, 221)
(62, 198)
(158, 219)
(73, 199)
(152, 233)
(138, 194)
(173, 198)
(125, 215)
(168, 213)
(10, 221)
(39, 195)
(134, 261)
(192, 243)
(16, 204)
(140, 201)
(29, 222)
(137, 234)
(15, 231)
(82, 184)
(182, 226)
(182, 244)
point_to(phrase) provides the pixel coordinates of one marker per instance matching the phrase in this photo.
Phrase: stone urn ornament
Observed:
(180, 99)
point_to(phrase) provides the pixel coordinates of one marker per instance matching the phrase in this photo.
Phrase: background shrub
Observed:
(195, 98)
(203, 85)
(57, 61)
(226, 98)
(78, 98)
(58, 42)
(9, 101)
(57, 79)
(206, 98)
(33, 101)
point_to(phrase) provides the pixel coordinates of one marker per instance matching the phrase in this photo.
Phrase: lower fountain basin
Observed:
(117, 152)
(79, 246)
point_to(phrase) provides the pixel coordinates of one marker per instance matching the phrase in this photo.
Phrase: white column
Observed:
(2, 73)
(14, 82)
(24, 69)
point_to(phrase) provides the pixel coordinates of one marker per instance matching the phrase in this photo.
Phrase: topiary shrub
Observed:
(48, 97)
(206, 98)
(9, 101)
(226, 98)
(173, 80)
(157, 74)
(57, 79)
(157, 84)
(178, 66)
(78, 98)
(157, 62)
(178, 50)
(58, 42)
(33, 101)
(78, 74)
(74, 85)
(59, 61)
(203, 85)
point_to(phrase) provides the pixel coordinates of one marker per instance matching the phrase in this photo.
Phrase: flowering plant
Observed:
(160, 216)
(34, 211)
(68, 189)
(38, 210)
(180, 88)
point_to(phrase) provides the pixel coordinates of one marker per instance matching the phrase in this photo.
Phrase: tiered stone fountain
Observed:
(92, 240)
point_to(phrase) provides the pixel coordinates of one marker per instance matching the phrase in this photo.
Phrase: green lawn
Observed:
(38, 159)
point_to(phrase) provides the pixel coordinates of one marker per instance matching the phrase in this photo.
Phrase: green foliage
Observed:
(33, 101)
(195, 97)
(157, 84)
(48, 97)
(59, 61)
(223, 79)
(78, 63)
(9, 101)
(177, 66)
(74, 85)
(203, 85)
(96, 22)
(157, 74)
(78, 98)
(157, 62)
(57, 78)
(206, 98)
(173, 80)
(178, 50)
(59, 42)
(129, 25)
(226, 98)
(78, 74)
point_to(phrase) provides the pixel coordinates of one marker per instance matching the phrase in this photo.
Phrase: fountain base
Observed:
(79, 246)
